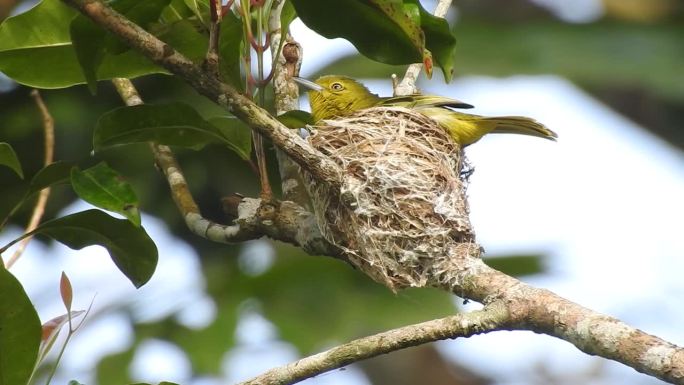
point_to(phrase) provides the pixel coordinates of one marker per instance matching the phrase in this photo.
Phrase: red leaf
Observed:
(66, 291)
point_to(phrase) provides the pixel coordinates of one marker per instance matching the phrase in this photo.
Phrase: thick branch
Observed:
(211, 87)
(543, 311)
(283, 221)
(515, 304)
(492, 317)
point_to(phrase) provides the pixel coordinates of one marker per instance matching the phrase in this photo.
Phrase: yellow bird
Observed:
(331, 96)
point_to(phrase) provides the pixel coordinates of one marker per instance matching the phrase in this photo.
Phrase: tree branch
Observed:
(48, 157)
(543, 311)
(492, 317)
(210, 86)
(509, 303)
(283, 221)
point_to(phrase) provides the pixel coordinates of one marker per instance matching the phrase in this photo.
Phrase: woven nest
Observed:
(402, 203)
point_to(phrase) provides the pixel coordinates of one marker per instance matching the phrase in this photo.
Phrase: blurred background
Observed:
(596, 217)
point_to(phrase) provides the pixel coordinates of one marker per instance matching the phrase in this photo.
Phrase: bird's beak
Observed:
(307, 83)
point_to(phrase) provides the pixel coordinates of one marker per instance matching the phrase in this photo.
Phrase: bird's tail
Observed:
(521, 125)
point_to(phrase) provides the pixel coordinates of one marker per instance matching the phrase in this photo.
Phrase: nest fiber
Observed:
(402, 203)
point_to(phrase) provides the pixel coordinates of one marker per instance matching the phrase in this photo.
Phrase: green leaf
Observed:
(398, 24)
(440, 41)
(230, 48)
(45, 57)
(88, 41)
(92, 43)
(49, 175)
(129, 246)
(287, 15)
(238, 136)
(25, 49)
(20, 331)
(407, 17)
(201, 9)
(176, 11)
(103, 187)
(52, 174)
(9, 158)
(295, 119)
(174, 124)
(143, 13)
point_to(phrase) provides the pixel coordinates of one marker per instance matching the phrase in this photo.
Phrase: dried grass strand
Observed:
(402, 203)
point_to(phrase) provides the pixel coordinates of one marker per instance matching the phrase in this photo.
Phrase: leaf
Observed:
(174, 124)
(52, 174)
(45, 57)
(295, 119)
(20, 331)
(65, 291)
(129, 246)
(88, 42)
(230, 48)
(287, 15)
(50, 332)
(237, 134)
(398, 24)
(49, 175)
(201, 9)
(9, 158)
(103, 187)
(22, 43)
(91, 42)
(143, 13)
(439, 40)
(176, 11)
(407, 17)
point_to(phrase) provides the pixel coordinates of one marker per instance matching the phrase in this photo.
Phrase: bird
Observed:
(333, 96)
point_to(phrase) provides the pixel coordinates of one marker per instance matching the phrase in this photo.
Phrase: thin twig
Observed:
(528, 308)
(259, 150)
(407, 86)
(179, 187)
(211, 60)
(283, 221)
(319, 166)
(492, 317)
(49, 148)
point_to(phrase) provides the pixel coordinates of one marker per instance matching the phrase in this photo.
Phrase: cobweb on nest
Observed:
(402, 205)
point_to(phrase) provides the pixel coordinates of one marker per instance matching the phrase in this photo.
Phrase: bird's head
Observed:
(334, 95)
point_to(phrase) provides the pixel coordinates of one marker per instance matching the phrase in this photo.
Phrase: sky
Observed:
(604, 204)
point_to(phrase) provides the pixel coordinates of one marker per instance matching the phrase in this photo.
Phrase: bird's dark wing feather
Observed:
(419, 101)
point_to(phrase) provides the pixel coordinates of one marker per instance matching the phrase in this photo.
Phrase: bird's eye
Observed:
(336, 87)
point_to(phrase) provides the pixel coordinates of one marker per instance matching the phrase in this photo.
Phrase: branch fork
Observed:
(509, 303)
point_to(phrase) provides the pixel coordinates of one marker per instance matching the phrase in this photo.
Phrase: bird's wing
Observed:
(419, 101)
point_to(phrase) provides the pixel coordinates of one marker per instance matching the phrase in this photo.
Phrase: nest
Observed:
(402, 204)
